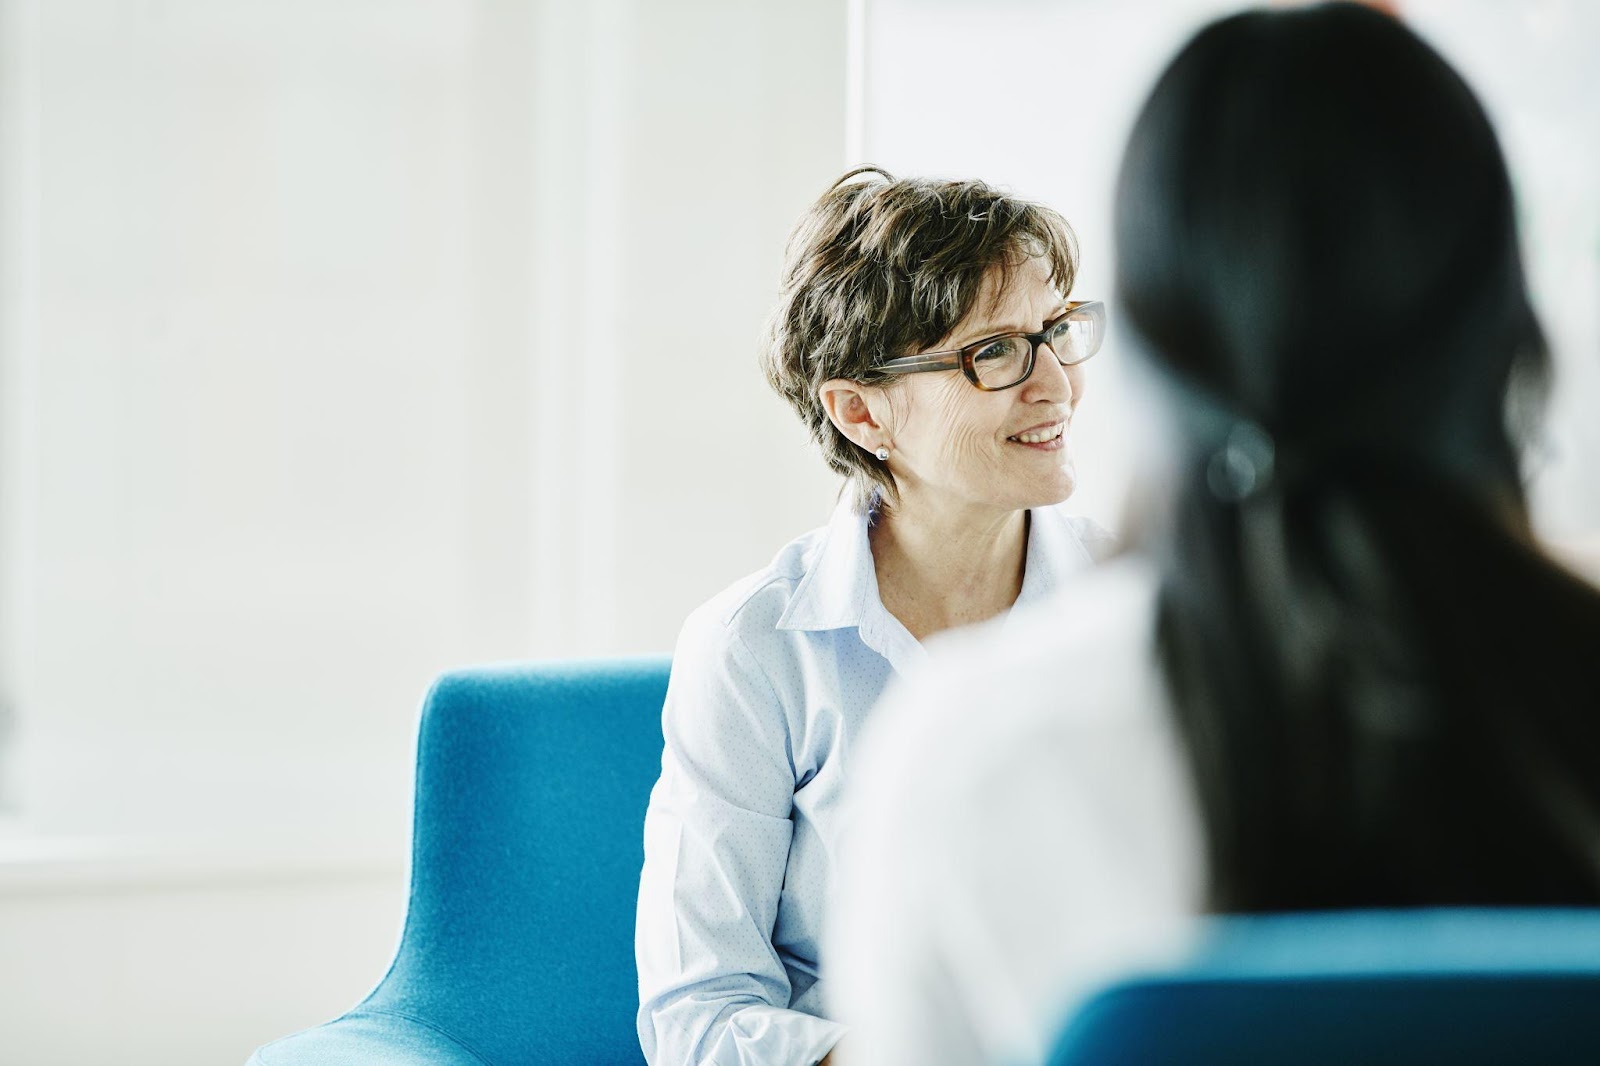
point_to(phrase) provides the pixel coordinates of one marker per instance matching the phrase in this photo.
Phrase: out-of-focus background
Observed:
(345, 341)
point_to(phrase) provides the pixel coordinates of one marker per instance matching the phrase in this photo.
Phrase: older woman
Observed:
(925, 337)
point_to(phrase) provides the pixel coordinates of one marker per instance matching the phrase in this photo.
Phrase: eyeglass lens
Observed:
(1004, 361)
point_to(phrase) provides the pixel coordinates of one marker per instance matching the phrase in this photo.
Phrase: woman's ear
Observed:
(854, 410)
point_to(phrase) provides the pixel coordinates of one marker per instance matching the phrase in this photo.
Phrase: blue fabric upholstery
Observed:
(532, 782)
(1464, 987)
(365, 1037)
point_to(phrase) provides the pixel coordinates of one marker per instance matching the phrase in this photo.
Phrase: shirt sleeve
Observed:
(713, 990)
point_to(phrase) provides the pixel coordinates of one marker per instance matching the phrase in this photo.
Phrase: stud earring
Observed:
(883, 454)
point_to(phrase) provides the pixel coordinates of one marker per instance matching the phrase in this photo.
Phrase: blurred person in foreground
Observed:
(925, 337)
(1336, 671)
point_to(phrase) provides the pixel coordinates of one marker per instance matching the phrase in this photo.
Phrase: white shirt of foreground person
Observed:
(1023, 829)
(771, 683)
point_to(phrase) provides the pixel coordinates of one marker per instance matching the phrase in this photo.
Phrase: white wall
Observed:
(346, 342)
(374, 338)
(151, 957)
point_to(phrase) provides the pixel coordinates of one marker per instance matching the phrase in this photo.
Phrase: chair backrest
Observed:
(532, 783)
(1458, 986)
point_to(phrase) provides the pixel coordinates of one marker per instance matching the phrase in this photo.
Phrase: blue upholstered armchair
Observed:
(1360, 988)
(532, 783)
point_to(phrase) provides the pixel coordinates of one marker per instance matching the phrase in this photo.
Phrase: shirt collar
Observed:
(840, 588)
(1055, 550)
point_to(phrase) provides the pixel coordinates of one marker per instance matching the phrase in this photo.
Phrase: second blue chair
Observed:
(1463, 987)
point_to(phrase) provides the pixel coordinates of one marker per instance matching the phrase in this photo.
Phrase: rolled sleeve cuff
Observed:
(773, 1036)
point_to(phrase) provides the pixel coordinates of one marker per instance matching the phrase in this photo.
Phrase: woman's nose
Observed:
(1049, 378)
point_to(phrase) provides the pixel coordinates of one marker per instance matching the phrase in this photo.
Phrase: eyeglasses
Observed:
(1006, 359)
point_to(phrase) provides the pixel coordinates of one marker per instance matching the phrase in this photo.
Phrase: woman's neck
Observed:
(941, 567)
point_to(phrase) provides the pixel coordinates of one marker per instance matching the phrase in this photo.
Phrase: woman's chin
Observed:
(1063, 492)
(1045, 493)
(1059, 485)
(1052, 483)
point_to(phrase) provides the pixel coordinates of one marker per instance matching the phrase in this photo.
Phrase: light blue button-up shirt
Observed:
(771, 683)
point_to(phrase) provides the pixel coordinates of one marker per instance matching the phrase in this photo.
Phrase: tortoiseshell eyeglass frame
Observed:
(962, 358)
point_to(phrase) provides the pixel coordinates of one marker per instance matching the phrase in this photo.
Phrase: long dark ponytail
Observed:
(1389, 695)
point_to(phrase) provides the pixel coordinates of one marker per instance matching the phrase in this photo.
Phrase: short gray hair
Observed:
(881, 267)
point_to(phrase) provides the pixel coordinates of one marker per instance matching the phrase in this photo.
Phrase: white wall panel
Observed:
(372, 339)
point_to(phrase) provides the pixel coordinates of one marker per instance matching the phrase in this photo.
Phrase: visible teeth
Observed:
(1040, 436)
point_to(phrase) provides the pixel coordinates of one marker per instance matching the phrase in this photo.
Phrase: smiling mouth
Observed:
(1039, 436)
